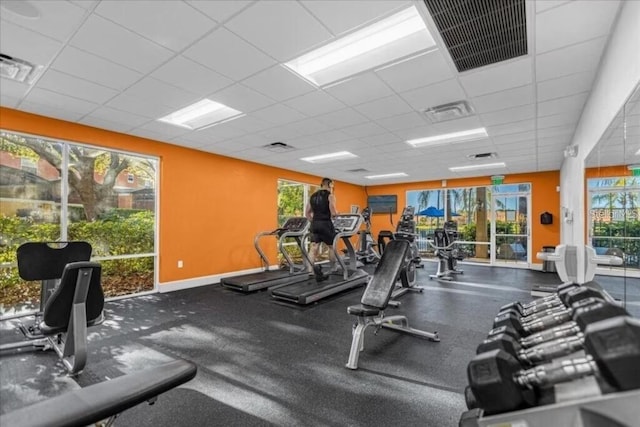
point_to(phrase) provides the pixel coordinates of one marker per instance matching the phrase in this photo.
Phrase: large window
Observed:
(614, 218)
(58, 191)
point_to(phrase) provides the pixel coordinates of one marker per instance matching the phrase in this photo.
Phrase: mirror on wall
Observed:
(613, 203)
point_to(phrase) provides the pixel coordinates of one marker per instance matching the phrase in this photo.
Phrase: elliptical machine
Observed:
(446, 246)
(366, 251)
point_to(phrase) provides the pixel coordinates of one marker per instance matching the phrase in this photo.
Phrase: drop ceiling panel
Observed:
(315, 103)
(564, 86)
(342, 118)
(249, 124)
(219, 10)
(497, 77)
(191, 76)
(242, 98)
(360, 89)
(364, 130)
(58, 19)
(569, 60)
(562, 105)
(568, 118)
(111, 115)
(384, 107)
(343, 16)
(559, 27)
(282, 29)
(510, 128)
(404, 121)
(436, 94)
(13, 89)
(56, 81)
(514, 137)
(166, 130)
(27, 45)
(117, 44)
(240, 58)
(278, 114)
(564, 130)
(419, 71)
(48, 110)
(47, 97)
(142, 107)
(93, 68)
(542, 5)
(509, 98)
(278, 83)
(8, 101)
(305, 127)
(514, 114)
(162, 93)
(96, 122)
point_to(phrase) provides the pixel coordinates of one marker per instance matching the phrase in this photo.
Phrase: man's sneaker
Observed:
(320, 276)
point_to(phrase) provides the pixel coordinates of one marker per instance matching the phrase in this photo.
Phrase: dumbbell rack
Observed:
(615, 409)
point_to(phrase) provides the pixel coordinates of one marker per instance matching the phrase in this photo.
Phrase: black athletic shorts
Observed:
(322, 231)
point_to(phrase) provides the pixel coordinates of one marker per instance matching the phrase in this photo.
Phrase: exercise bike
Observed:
(445, 243)
(366, 252)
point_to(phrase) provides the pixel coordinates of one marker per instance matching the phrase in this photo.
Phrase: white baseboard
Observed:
(204, 280)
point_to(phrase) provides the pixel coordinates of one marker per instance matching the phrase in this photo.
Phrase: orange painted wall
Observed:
(607, 172)
(211, 206)
(544, 198)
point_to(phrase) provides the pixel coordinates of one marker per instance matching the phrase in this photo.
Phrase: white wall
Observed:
(618, 75)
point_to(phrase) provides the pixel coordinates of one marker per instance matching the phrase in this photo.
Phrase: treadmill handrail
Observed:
(288, 233)
(344, 235)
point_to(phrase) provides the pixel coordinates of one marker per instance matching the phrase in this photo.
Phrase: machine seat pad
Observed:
(99, 401)
(379, 289)
(363, 310)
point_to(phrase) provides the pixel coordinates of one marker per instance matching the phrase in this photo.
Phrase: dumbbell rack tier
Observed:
(615, 409)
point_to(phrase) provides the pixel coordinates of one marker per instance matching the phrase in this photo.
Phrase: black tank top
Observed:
(320, 205)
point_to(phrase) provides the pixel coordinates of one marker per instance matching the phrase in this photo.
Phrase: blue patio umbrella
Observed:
(434, 212)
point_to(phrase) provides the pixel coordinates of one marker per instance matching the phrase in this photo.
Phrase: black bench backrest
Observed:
(441, 238)
(379, 289)
(57, 310)
(46, 260)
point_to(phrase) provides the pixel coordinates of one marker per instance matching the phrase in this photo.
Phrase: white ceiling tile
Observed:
(381, 139)
(343, 16)
(191, 76)
(253, 140)
(21, 43)
(249, 124)
(564, 86)
(13, 88)
(65, 84)
(228, 54)
(465, 123)
(384, 107)
(221, 132)
(511, 138)
(514, 114)
(419, 71)
(58, 19)
(436, 94)
(105, 124)
(332, 137)
(117, 44)
(241, 98)
(564, 130)
(149, 134)
(46, 97)
(561, 105)
(139, 106)
(278, 114)
(574, 22)
(505, 75)
(166, 130)
(306, 127)
(278, 83)
(172, 24)
(342, 118)
(8, 101)
(49, 110)
(542, 5)
(360, 89)
(93, 68)
(559, 140)
(315, 103)
(282, 29)
(219, 10)
(112, 116)
(161, 93)
(85, 4)
(568, 118)
(364, 130)
(569, 60)
(404, 121)
(509, 128)
(506, 99)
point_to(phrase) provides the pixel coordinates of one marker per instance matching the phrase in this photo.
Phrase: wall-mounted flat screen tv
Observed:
(383, 204)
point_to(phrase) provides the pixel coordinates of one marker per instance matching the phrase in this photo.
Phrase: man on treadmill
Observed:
(320, 210)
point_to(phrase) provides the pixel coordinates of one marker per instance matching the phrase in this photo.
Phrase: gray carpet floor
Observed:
(261, 362)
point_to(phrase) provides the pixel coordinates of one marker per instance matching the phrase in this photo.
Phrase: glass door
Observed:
(510, 225)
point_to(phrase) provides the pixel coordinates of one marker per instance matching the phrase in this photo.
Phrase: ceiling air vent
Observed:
(450, 111)
(278, 147)
(18, 69)
(481, 32)
(483, 156)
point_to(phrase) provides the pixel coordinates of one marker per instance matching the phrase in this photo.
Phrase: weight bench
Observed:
(376, 298)
(103, 400)
(75, 303)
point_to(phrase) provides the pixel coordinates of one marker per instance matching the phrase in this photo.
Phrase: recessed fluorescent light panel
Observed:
(201, 114)
(477, 167)
(638, 153)
(450, 138)
(330, 157)
(395, 37)
(387, 175)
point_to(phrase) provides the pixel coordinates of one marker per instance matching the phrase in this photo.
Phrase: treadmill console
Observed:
(296, 224)
(347, 223)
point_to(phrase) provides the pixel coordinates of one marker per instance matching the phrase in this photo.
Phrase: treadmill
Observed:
(308, 291)
(294, 227)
